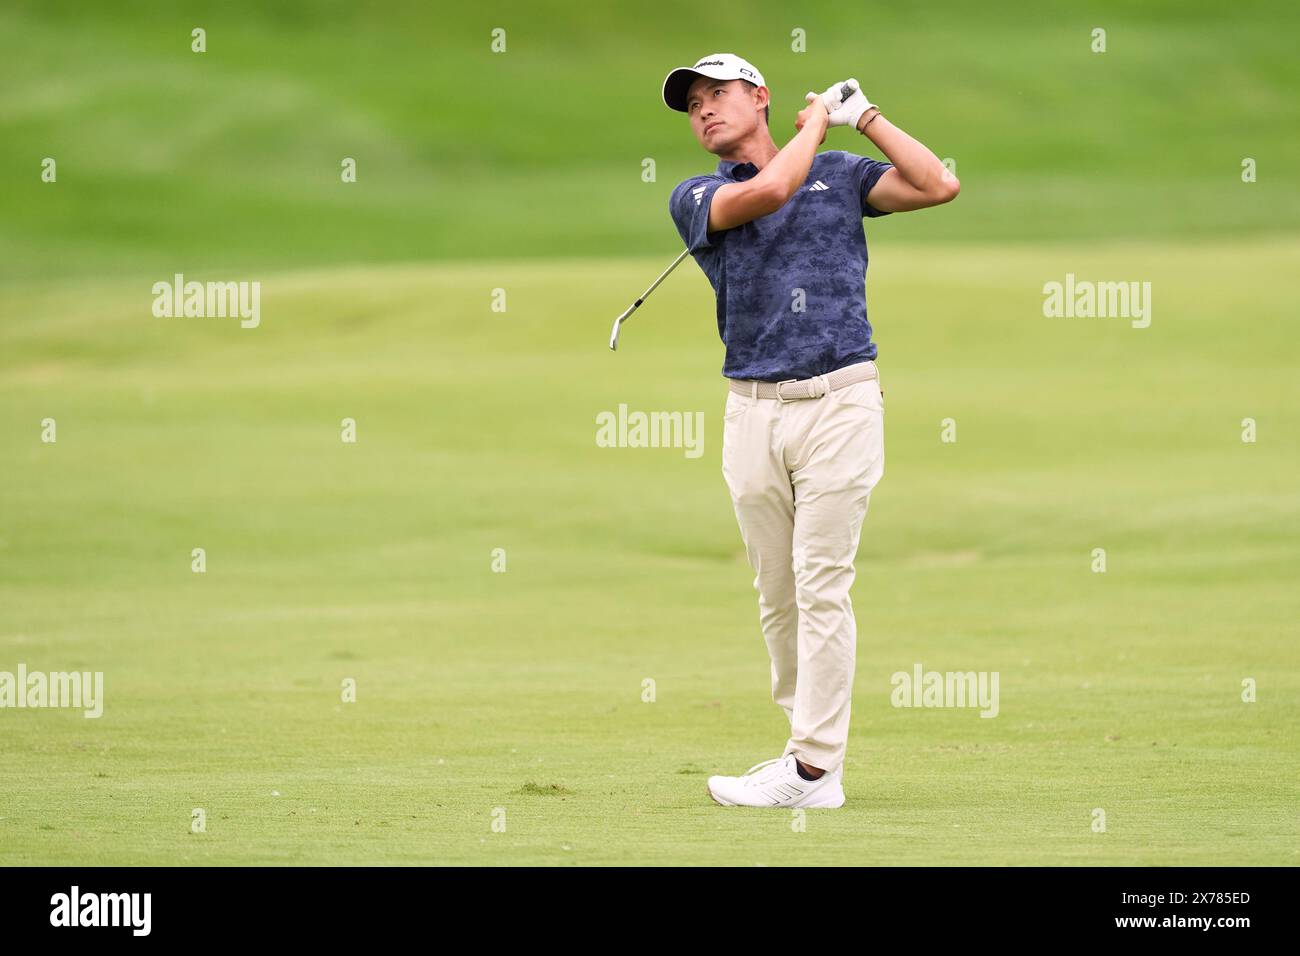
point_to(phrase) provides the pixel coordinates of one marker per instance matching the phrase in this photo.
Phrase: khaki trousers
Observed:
(800, 475)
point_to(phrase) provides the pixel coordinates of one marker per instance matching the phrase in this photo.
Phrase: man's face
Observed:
(723, 112)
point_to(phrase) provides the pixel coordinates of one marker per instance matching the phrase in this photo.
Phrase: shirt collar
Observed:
(737, 171)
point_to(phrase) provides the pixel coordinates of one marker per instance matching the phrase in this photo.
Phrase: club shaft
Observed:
(613, 338)
(654, 285)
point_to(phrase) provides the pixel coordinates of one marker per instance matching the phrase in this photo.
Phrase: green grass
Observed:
(522, 690)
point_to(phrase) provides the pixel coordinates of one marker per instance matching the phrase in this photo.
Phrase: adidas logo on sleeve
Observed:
(698, 193)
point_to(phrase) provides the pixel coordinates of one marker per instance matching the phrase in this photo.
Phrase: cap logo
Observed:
(746, 72)
(710, 63)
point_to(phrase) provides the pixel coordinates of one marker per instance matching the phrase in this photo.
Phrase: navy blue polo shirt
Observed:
(791, 286)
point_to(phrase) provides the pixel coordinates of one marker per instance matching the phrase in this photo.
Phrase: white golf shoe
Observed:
(776, 783)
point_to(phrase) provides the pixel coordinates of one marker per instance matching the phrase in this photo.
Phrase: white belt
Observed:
(796, 389)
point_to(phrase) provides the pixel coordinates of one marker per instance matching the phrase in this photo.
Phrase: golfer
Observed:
(779, 234)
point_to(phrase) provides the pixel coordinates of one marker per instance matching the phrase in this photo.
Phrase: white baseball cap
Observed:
(716, 66)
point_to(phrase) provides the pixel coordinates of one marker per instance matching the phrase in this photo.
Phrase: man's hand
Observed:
(814, 112)
(845, 102)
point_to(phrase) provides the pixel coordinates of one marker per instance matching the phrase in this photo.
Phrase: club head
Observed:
(618, 325)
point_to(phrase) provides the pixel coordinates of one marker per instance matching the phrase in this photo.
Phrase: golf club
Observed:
(613, 335)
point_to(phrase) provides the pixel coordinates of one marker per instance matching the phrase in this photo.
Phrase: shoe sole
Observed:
(810, 806)
(823, 806)
(721, 803)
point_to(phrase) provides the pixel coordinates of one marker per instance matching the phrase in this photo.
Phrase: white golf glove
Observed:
(845, 102)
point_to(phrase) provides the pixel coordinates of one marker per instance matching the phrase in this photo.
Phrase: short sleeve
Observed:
(689, 205)
(864, 172)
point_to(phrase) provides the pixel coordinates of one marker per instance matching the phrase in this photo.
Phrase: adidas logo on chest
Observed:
(818, 187)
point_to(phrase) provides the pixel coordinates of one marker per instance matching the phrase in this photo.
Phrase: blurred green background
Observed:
(230, 159)
(523, 690)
